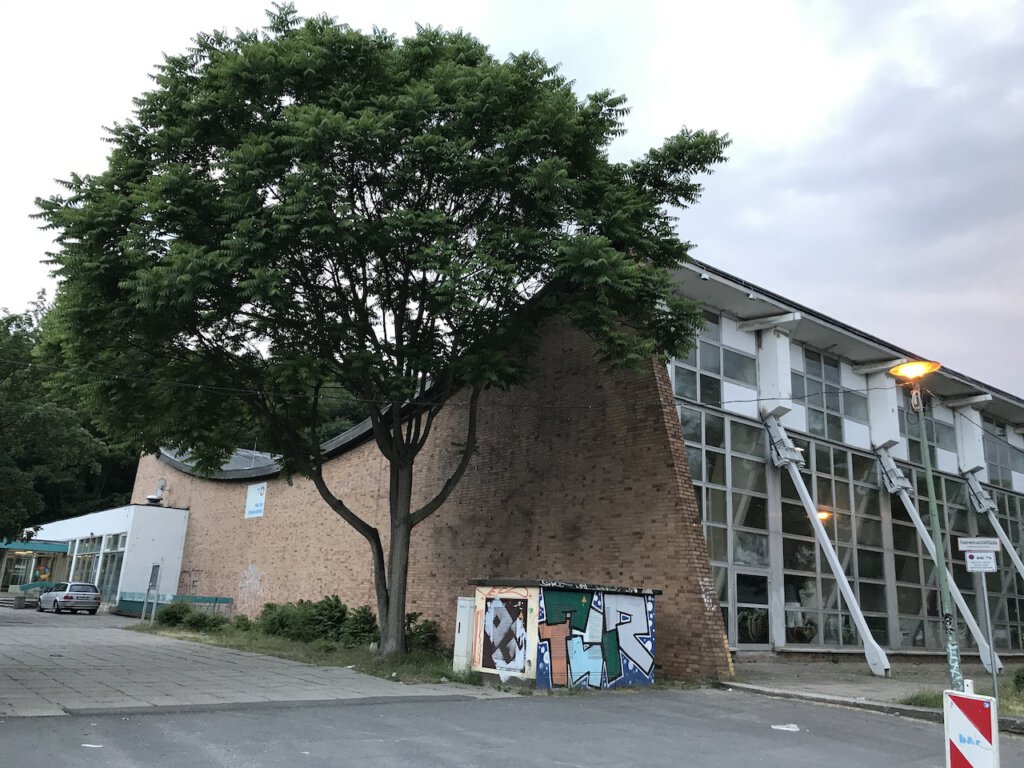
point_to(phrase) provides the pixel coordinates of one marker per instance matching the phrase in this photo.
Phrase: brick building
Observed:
(579, 476)
(794, 517)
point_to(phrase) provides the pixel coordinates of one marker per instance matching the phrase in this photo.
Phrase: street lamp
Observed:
(911, 373)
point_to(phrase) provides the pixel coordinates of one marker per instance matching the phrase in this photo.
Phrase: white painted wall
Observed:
(946, 461)
(774, 374)
(796, 356)
(883, 413)
(741, 341)
(157, 536)
(970, 446)
(900, 451)
(739, 399)
(858, 382)
(857, 435)
(796, 419)
(94, 524)
(942, 413)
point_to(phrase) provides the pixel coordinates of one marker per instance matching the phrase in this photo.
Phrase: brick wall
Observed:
(580, 475)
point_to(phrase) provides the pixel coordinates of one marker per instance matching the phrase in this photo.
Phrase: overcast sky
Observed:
(875, 175)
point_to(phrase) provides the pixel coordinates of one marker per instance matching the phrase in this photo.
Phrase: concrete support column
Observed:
(774, 372)
(883, 410)
(970, 445)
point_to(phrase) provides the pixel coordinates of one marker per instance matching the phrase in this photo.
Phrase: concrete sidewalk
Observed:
(77, 664)
(847, 681)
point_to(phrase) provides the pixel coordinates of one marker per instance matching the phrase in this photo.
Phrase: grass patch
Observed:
(1011, 702)
(416, 667)
(930, 699)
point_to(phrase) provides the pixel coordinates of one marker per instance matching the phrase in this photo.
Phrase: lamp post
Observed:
(912, 373)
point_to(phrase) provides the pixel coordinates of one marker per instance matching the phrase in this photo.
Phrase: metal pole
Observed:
(956, 675)
(988, 622)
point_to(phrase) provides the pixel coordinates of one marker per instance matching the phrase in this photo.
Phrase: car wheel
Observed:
(39, 605)
(93, 611)
(56, 607)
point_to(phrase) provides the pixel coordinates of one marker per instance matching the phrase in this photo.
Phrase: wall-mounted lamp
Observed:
(705, 276)
(158, 495)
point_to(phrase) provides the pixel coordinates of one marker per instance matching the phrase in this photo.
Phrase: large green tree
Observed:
(309, 209)
(53, 464)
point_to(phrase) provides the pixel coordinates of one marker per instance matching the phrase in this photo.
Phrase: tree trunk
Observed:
(392, 621)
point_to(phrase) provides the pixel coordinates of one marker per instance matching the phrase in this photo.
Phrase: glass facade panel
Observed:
(750, 549)
(745, 500)
(748, 439)
(739, 367)
(749, 511)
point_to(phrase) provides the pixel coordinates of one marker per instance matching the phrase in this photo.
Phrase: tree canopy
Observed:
(308, 210)
(53, 464)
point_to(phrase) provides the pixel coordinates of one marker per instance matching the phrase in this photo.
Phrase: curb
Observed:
(1007, 723)
(228, 706)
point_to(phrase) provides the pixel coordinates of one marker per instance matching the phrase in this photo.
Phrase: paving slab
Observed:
(847, 681)
(52, 665)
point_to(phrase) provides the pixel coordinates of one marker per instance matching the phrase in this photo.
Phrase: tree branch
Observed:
(467, 454)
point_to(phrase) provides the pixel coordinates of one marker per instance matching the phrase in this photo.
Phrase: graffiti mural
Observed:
(504, 642)
(594, 639)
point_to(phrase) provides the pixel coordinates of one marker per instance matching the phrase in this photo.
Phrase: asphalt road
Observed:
(678, 728)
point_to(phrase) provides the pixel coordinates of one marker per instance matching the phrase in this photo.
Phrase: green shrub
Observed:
(359, 629)
(200, 621)
(268, 621)
(329, 617)
(420, 635)
(299, 621)
(173, 615)
(243, 623)
(1018, 680)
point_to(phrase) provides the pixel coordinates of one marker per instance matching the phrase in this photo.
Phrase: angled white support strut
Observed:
(985, 505)
(897, 484)
(785, 454)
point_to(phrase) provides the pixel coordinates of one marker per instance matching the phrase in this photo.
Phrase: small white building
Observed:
(116, 549)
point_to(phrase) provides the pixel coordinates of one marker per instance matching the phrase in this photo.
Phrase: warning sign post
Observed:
(972, 730)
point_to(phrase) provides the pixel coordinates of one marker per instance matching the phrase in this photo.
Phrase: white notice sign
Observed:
(977, 545)
(254, 499)
(981, 562)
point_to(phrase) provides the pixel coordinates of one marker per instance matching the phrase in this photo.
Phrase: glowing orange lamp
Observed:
(912, 370)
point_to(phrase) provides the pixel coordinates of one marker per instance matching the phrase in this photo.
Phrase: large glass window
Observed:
(917, 590)
(110, 571)
(698, 378)
(818, 387)
(86, 558)
(1001, 457)
(940, 433)
(728, 463)
(1005, 587)
(872, 533)
(844, 487)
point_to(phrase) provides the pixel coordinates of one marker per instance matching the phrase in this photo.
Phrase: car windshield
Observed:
(82, 588)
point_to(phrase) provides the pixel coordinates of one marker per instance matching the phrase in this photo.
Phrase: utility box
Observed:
(462, 659)
(563, 635)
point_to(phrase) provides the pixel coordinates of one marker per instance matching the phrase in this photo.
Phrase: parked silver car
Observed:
(73, 596)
